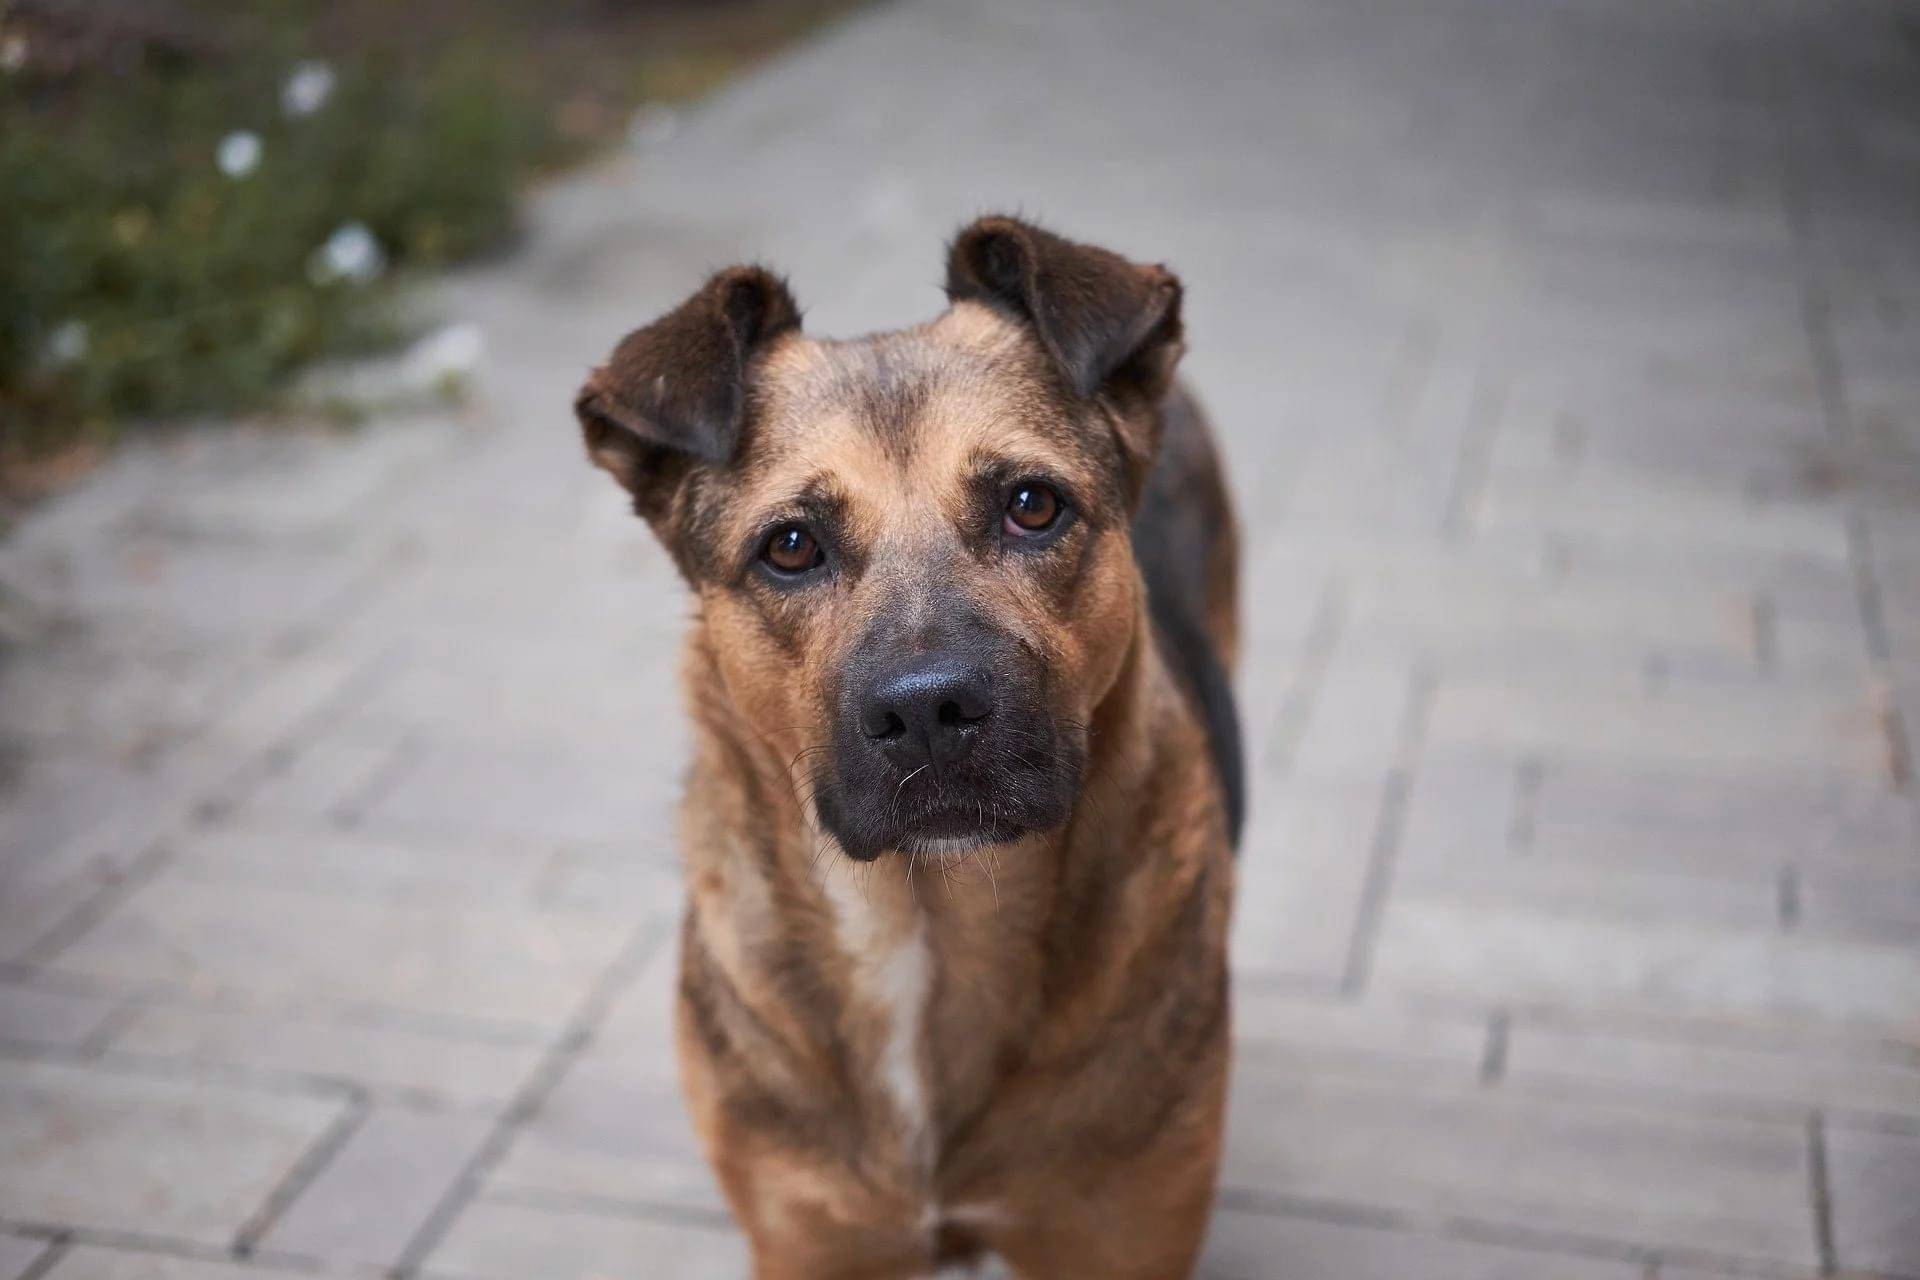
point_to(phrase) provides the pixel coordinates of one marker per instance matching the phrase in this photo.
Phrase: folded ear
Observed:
(675, 392)
(1112, 326)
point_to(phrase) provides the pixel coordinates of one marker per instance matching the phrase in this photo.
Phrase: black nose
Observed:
(927, 710)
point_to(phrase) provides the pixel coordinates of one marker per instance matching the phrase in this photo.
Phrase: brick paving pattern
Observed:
(1568, 356)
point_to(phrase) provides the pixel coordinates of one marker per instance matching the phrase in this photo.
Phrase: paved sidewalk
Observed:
(1569, 359)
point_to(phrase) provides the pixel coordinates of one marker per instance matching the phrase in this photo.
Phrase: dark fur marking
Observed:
(715, 1009)
(1177, 534)
(1111, 325)
(674, 393)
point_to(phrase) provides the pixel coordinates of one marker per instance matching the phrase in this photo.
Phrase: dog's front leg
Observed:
(808, 1220)
(1147, 1236)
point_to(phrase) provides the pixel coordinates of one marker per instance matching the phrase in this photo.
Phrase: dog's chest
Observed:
(891, 967)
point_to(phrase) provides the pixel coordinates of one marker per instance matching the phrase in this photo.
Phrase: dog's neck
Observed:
(917, 983)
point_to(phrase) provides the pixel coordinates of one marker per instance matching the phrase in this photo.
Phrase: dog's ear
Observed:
(674, 393)
(1112, 326)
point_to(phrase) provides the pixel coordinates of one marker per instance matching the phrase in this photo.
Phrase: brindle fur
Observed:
(1072, 1037)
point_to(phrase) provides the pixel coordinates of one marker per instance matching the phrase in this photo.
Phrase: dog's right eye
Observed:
(792, 549)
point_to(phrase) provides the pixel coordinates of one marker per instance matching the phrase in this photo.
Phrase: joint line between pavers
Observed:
(378, 783)
(283, 749)
(70, 927)
(300, 1175)
(1788, 892)
(1448, 1226)
(1766, 632)
(1296, 709)
(117, 1020)
(1384, 849)
(1821, 1194)
(1486, 411)
(1408, 372)
(1493, 1062)
(1836, 413)
(1528, 776)
(638, 1209)
(44, 1261)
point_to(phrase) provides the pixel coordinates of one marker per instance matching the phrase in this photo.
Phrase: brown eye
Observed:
(792, 550)
(1031, 508)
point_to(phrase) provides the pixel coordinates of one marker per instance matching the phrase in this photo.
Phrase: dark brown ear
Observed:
(674, 393)
(1112, 326)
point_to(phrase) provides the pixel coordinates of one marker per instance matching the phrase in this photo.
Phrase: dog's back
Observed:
(1185, 540)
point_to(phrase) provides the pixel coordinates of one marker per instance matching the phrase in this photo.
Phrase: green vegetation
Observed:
(137, 278)
(190, 214)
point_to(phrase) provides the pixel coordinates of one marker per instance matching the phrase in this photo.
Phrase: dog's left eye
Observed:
(1032, 508)
(792, 549)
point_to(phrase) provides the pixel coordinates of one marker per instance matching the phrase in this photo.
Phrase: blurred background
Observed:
(1567, 357)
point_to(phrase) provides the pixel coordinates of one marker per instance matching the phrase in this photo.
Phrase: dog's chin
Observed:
(951, 835)
(950, 831)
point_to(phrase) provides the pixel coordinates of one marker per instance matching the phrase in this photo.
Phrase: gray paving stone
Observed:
(1320, 1033)
(526, 704)
(527, 792)
(328, 779)
(482, 963)
(47, 1016)
(39, 897)
(1795, 1079)
(622, 879)
(294, 694)
(1636, 1178)
(614, 1129)
(495, 1238)
(1257, 1246)
(639, 1022)
(17, 1253)
(1308, 850)
(1875, 1180)
(94, 1148)
(1878, 903)
(1355, 724)
(98, 1262)
(349, 862)
(386, 1060)
(1606, 808)
(1475, 831)
(99, 805)
(1646, 512)
(1758, 734)
(377, 1191)
(1516, 953)
(1467, 615)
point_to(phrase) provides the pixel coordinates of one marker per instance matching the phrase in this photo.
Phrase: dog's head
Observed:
(911, 550)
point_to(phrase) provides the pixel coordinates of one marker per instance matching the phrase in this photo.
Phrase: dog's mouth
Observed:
(872, 814)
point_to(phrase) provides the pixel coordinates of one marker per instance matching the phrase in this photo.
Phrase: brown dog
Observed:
(958, 828)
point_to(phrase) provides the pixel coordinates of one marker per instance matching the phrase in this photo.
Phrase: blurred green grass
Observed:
(167, 198)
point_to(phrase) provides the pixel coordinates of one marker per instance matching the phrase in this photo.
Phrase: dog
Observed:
(959, 825)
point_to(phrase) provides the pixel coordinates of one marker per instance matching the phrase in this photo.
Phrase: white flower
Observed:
(651, 126)
(238, 154)
(13, 54)
(67, 344)
(307, 89)
(350, 253)
(446, 355)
